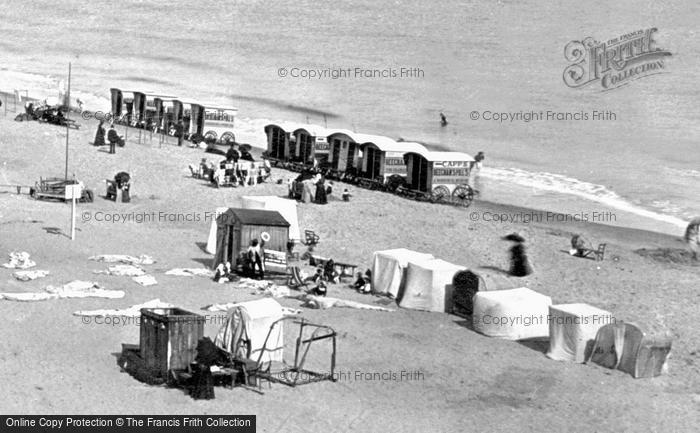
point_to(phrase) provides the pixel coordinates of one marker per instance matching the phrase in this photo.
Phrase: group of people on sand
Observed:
(311, 187)
(252, 264)
(113, 138)
(239, 168)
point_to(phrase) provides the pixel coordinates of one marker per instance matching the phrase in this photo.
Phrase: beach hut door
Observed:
(336, 154)
(374, 163)
(351, 155)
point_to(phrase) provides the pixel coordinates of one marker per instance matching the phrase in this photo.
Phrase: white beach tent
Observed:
(211, 240)
(287, 208)
(428, 285)
(624, 346)
(388, 269)
(514, 314)
(246, 328)
(572, 330)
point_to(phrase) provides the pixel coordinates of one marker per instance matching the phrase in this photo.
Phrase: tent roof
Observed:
(254, 217)
(265, 307)
(291, 127)
(444, 156)
(389, 145)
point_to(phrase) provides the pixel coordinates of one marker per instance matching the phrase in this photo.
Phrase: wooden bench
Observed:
(340, 267)
(343, 270)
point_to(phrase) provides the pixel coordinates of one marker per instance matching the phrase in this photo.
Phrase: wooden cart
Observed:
(440, 177)
(54, 188)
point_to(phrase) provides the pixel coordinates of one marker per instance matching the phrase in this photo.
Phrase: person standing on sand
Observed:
(519, 264)
(321, 196)
(475, 172)
(692, 236)
(255, 258)
(180, 132)
(100, 135)
(113, 138)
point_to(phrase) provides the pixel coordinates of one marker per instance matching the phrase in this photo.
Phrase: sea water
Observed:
(405, 62)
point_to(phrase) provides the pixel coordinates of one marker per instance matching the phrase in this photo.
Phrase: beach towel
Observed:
(145, 280)
(129, 260)
(133, 311)
(29, 275)
(191, 272)
(123, 271)
(74, 289)
(19, 260)
(83, 289)
(214, 308)
(323, 303)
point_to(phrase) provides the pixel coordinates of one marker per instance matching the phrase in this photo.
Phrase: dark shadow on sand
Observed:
(55, 231)
(537, 344)
(206, 262)
(496, 269)
(465, 322)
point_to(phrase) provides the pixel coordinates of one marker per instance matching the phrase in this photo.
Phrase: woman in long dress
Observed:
(100, 135)
(307, 195)
(692, 237)
(321, 197)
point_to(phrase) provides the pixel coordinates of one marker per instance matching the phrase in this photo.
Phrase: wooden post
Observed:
(67, 103)
(72, 193)
(72, 218)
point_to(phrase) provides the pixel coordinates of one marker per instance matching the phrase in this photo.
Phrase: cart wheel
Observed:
(228, 137)
(463, 195)
(210, 137)
(440, 193)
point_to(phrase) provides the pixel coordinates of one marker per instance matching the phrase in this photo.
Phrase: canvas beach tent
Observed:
(624, 346)
(388, 269)
(246, 328)
(286, 208)
(429, 285)
(513, 314)
(572, 330)
(211, 240)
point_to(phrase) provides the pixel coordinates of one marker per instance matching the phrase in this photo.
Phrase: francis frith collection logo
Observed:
(614, 63)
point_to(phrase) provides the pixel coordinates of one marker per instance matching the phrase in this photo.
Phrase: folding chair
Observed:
(295, 281)
(311, 238)
(599, 253)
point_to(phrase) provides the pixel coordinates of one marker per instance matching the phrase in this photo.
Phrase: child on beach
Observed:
(363, 284)
(346, 195)
(220, 274)
(320, 289)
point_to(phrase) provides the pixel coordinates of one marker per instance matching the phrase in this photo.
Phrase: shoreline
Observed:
(509, 192)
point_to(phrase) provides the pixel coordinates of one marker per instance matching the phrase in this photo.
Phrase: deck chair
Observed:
(194, 171)
(295, 281)
(599, 253)
(311, 238)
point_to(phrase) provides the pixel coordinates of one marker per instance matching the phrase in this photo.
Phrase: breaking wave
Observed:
(568, 185)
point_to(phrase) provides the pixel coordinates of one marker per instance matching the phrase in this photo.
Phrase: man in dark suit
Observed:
(180, 132)
(113, 138)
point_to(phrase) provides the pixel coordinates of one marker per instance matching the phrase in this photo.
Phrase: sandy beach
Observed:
(54, 362)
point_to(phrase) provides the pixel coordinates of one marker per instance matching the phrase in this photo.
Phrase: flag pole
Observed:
(67, 102)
